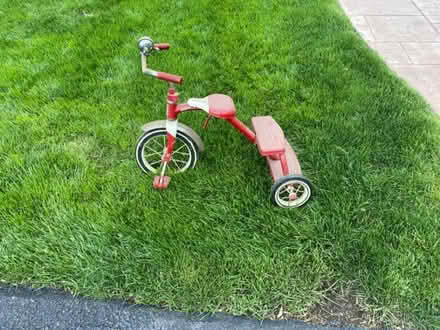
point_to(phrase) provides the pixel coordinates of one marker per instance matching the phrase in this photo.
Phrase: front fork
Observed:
(171, 127)
(162, 181)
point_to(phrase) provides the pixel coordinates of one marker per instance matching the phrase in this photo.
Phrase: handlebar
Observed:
(170, 77)
(146, 47)
(162, 46)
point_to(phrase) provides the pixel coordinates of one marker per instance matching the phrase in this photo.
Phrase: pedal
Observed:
(161, 182)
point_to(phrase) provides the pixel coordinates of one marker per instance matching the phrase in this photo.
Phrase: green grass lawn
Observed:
(76, 212)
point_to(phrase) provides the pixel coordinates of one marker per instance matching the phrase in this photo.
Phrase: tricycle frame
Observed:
(267, 135)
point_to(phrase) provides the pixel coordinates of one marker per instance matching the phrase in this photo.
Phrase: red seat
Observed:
(221, 106)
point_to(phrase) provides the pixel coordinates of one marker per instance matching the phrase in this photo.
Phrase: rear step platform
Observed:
(269, 136)
(271, 144)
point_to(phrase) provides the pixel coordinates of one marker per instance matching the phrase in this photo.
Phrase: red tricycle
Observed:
(170, 145)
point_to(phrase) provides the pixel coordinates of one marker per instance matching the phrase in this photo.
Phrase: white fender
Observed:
(181, 128)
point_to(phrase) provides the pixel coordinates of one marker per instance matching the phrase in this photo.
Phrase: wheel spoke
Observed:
(180, 161)
(158, 143)
(158, 161)
(174, 161)
(284, 189)
(181, 153)
(285, 196)
(177, 150)
(153, 152)
(152, 156)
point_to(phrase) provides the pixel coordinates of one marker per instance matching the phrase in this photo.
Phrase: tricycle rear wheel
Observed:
(291, 191)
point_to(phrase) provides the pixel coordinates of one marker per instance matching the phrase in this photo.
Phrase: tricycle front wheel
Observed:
(291, 191)
(151, 145)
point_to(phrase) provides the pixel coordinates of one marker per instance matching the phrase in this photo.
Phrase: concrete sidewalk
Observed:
(406, 33)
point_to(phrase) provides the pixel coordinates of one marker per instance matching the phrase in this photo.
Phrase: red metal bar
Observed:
(185, 107)
(242, 128)
(170, 147)
(162, 46)
(170, 77)
(172, 99)
(275, 164)
(284, 165)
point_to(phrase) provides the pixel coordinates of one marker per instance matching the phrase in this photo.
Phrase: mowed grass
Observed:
(76, 212)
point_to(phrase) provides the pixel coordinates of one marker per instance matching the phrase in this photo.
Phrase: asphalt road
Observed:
(23, 308)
